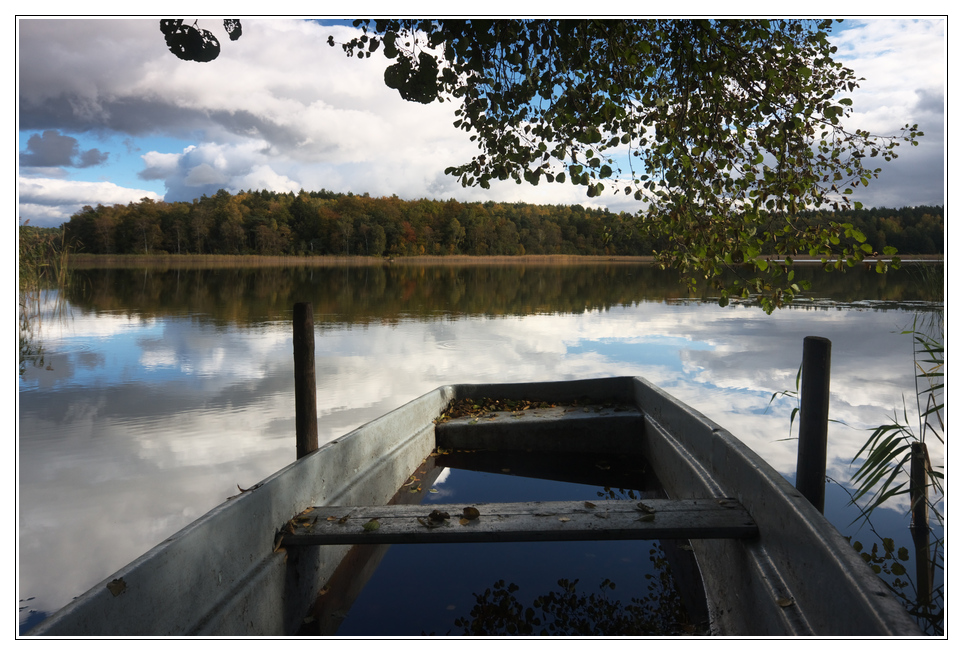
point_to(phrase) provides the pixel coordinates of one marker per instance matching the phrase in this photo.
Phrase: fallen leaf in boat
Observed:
(344, 519)
(590, 505)
(645, 508)
(471, 513)
(646, 518)
(602, 515)
(332, 518)
(564, 519)
(463, 521)
(117, 586)
(371, 525)
(438, 516)
(415, 490)
(785, 602)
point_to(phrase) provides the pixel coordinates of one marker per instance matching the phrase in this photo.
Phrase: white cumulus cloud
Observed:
(41, 199)
(280, 109)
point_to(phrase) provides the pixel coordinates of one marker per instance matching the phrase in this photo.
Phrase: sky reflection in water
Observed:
(137, 425)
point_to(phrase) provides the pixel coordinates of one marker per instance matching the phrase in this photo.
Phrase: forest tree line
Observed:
(328, 223)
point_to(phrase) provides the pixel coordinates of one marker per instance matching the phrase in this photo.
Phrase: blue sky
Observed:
(107, 115)
(125, 157)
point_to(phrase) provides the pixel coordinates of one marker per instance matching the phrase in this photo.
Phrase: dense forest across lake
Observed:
(328, 223)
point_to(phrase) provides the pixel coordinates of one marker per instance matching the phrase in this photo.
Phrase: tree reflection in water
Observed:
(566, 612)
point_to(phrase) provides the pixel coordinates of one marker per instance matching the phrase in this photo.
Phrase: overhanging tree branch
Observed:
(727, 129)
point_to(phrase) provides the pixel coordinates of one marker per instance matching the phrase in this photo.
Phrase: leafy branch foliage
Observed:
(725, 130)
(191, 43)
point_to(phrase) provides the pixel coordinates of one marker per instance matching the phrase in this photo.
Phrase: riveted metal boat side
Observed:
(220, 574)
(801, 576)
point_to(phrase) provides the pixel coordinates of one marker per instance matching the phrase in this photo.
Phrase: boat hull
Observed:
(222, 575)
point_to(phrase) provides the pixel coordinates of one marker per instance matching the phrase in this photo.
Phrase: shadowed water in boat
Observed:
(420, 589)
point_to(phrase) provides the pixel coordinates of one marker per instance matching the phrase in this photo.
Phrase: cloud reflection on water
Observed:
(142, 426)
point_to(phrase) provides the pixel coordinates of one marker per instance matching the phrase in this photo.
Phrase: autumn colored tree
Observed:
(722, 129)
(311, 224)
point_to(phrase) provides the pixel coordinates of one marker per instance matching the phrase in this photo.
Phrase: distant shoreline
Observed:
(86, 260)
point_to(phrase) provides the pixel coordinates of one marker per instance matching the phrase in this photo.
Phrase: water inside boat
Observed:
(553, 588)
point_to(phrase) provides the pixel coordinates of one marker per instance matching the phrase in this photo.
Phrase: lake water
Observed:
(151, 395)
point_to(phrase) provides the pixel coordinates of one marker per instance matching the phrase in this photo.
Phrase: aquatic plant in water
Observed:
(42, 266)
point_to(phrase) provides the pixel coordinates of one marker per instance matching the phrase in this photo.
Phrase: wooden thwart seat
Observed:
(528, 521)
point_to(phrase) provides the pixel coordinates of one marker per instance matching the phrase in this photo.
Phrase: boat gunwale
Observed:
(224, 580)
(707, 460)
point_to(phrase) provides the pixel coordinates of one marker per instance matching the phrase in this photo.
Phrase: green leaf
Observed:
(712, 134)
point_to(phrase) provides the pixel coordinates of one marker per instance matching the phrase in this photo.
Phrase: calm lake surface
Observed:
(153, 394)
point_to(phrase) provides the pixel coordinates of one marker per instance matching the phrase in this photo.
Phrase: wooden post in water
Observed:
(920, 525)
(305, 388)
(813, 421)
(919, 478)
